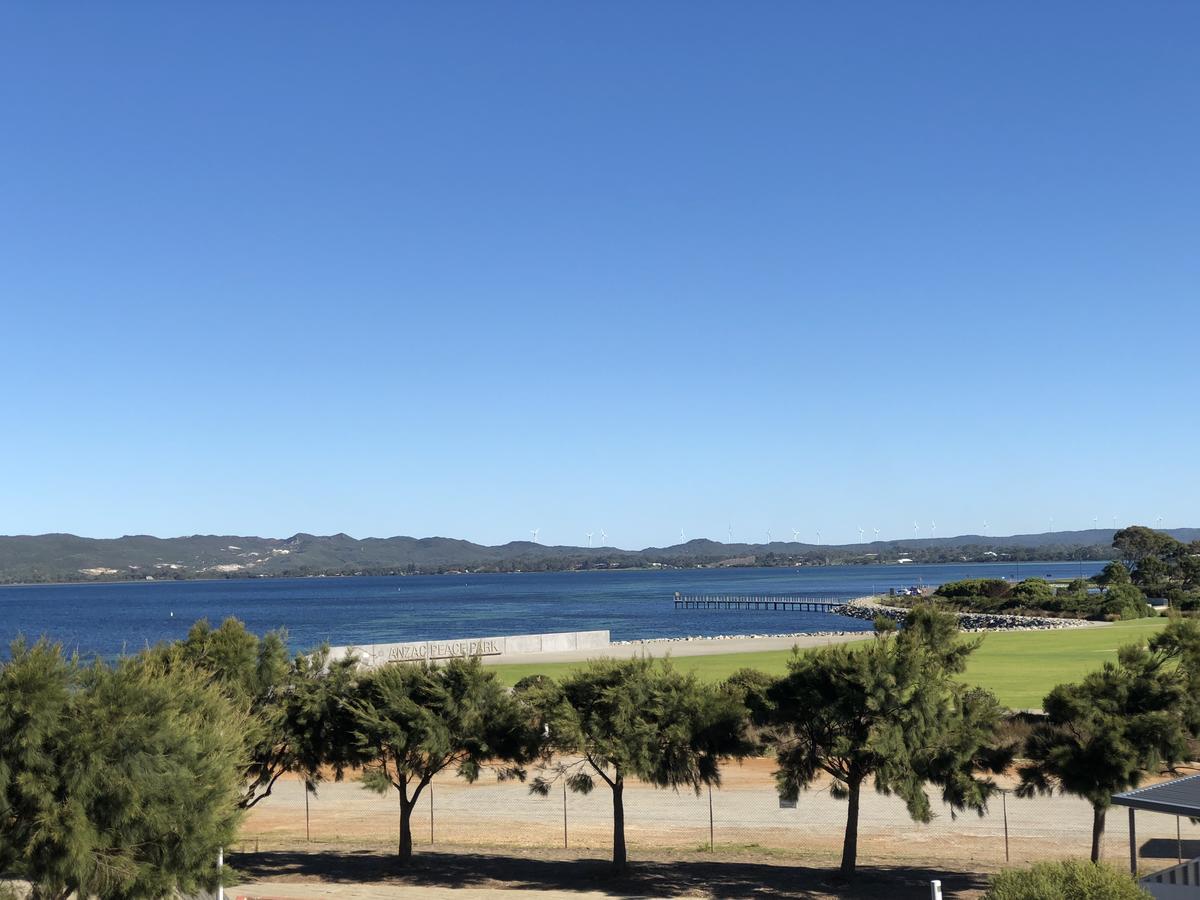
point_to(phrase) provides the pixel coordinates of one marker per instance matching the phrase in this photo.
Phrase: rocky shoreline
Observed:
(867, 608)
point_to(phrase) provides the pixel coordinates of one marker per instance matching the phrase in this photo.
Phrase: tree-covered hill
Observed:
(68, 557)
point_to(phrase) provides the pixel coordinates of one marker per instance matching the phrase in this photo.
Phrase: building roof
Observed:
(1180, 797)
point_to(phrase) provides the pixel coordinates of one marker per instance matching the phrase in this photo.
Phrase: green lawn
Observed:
(1020, 666)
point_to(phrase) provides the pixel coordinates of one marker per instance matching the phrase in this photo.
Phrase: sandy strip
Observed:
(682, 647)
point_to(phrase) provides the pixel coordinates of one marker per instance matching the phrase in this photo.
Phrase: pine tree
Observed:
(888, 712)
(118, 782)
(414, 720)
(634, 718)
(1102, 735)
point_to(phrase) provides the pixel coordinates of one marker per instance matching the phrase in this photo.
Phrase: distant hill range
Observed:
(66, 557)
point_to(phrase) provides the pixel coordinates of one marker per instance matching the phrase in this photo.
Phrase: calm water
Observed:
(106, 618)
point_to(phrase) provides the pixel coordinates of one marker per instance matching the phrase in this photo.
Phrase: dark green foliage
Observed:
(1067, 880)
(1124, 601)
(1032, 593)
(413, 720)
(1102, 735)
(752, 689)
(1036, 596)
(117, 782)
(975, 589)
(1157, 562)
(1113, 573)
(295, 708)
(890, 712)
(636, 718)
(1179, 644)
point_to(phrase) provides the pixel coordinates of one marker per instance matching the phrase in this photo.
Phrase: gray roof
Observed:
(1180, 797)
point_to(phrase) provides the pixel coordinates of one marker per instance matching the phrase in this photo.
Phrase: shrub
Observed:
(1067, 880)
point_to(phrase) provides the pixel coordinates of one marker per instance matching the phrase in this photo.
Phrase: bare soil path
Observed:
(471, 875)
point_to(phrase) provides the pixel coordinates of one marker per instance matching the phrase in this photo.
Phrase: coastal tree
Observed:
(414, 720)
(1102, 735)
(295, 708)
(888, 712)
(115, 782)
(1114, 572)
(637, 718)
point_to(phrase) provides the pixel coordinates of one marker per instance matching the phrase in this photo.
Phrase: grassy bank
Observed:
(1019, 666)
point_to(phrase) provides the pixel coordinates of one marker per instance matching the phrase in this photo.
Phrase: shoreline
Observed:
(249, 578)
(694, 646)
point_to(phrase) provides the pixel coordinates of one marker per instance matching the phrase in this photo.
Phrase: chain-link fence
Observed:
(743, 814)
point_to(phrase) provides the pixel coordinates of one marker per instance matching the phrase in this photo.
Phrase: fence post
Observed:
(431, 813)
(220, 873)
(711, 843)
(307, 830)
(935, 890)
(565, 810)
(1004, 802)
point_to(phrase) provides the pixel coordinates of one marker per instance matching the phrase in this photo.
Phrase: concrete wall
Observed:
(514, 645)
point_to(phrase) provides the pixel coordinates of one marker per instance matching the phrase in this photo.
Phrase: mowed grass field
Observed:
(1020, 666)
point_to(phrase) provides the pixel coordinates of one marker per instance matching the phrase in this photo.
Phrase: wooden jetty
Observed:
(766, 602)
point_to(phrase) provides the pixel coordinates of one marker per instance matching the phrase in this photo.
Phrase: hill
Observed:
(68, 557)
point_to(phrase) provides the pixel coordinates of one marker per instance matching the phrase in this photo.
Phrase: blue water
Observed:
(109, 618)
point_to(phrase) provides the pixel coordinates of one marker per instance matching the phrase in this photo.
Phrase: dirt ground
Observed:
(745, 815)
(478, 840)
(465, 874)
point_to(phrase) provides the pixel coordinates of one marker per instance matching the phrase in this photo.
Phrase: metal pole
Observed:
(935, 890)
(220, 873)
(431, 814)
(1004, 802)
(564, 814)
(711, 841)
(307, 831)
(1132, 844)
(1178, 841)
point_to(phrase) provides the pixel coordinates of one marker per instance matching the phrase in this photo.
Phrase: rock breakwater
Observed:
(868, 608)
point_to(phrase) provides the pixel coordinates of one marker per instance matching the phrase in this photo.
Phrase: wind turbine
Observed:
(1114, 523)
(535, 532)
(589, 534)
(861, 531)
(933, 529)
(818, 537)
(985, 527)
(876, 530)
(796, 535)
(768, 535)
(1158, 523)
(603, 537)
(1095, 519)
(682, 537)
(730, 532)
(916, 530)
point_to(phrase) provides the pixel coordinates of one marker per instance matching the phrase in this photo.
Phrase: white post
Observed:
(935, 890)
(220, 868)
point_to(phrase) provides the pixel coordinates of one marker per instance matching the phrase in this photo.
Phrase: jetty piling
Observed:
(765, 602)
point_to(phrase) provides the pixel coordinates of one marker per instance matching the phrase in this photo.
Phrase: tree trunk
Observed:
(619, 860)
(1098, 813)
(850, 842)
(405, 851)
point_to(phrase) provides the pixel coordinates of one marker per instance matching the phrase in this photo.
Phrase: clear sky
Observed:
(471, 269)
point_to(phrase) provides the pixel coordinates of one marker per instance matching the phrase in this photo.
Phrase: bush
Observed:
(1069, 880)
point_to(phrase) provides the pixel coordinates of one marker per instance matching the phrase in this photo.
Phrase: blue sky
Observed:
(470, 269)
